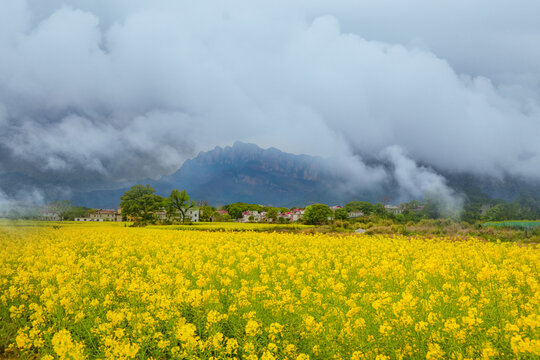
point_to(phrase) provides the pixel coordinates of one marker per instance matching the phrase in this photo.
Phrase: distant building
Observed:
(355, 214)
(106, 215)
(51, 215)
(103, 215)
(484, 209)
(248, 216)
(393, 209)
(297, 214)
(161, 215)
(191, 215)
(293, 215)
(286, 215)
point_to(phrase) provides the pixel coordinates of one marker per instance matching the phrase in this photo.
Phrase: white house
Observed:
(297, 214)
(393, 209)
(193, 214)
(355, 214)
(103, 215)
(51, 215)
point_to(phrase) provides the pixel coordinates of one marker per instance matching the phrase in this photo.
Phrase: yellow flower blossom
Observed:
(66, 348)
(252, 328)
(106, 291)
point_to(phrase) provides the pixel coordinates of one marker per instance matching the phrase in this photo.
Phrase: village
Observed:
(52, 213)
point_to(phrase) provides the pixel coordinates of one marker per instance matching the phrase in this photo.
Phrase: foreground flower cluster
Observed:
(123, 293)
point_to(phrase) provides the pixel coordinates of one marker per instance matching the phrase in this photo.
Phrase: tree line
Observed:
(142, 204)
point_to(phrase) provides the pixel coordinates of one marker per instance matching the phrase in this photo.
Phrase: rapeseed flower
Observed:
(109, 292)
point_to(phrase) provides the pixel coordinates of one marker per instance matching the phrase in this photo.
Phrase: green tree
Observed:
(504, 211)
(431, 208)
(62, 207)
(317, 214)
(75, 212)
(207, 212)
(380, 211)
(68, 211)
(528, 203)
(411, 205)
(236, 209)
(363, 206)
(272, 214)
(341, 214)
(141, 203)
(471, 213)
(178, 204)
(223, 217)
(282, 220)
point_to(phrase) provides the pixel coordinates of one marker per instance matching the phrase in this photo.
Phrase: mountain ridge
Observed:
(241, 172)
(248, 173)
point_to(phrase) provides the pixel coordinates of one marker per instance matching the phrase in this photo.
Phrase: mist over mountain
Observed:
(242, 172)
(248, 173)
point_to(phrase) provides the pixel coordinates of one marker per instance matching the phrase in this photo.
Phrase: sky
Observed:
(96, 91)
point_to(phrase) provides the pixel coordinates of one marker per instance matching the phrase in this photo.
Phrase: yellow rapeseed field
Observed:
(105, 291)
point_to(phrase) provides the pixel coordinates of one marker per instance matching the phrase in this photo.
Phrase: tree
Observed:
(178, 205)
(432, 206)
(503, 211)
(380, 211)
(341, 214)
(317, 214)
(62, 207)
(471, 213)
(68, 211)
(235, 210)
(272, 214)
(207, 212)
(412, 205)
(363, 206)
(75, 212)
(141, 203)
(282, 220)
(223, 217)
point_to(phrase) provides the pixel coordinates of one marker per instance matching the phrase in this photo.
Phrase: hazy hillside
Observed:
(242, 172)
(248, 173)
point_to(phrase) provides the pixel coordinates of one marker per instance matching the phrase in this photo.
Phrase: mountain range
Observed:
(242, 172)
(247, 173)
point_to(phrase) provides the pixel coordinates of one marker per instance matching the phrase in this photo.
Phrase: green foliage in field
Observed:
(515, 224)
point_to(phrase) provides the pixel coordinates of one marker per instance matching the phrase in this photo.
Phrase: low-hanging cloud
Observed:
(117, 93)
(21, 204)
(417, 182)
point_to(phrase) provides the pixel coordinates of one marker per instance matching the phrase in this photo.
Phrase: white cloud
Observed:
(131, 90)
